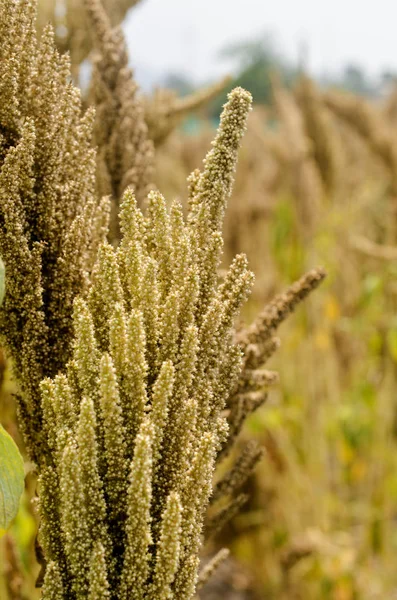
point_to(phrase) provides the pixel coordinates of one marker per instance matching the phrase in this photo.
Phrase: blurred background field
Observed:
(316, 185)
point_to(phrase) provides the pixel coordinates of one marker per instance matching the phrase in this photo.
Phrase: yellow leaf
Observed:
(332, 309)
(344, 591)
(322, 339)
(345, 452)
(358, 470)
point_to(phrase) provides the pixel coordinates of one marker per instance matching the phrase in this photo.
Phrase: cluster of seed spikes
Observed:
(125, 154)
(137, 420)
(258, 343)
(249, 392)
(70, 23)
(127, 125)
(51, 221)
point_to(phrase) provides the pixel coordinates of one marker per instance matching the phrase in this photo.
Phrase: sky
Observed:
(185, 36)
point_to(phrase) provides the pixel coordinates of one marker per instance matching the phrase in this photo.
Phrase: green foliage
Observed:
(11, 479)
(2, 281)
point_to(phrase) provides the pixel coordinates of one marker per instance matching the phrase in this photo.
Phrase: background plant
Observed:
(325, 489)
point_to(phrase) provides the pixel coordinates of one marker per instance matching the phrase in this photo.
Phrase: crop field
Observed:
(198, 328)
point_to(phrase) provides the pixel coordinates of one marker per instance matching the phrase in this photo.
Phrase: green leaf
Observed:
(11, 479)
(391, 339)
(2, 281)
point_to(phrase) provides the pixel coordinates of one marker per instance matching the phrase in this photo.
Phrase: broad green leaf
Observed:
(2, 281)
(392, 341)
(11, 479)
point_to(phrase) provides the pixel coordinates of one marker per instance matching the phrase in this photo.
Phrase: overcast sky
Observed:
(186, 35)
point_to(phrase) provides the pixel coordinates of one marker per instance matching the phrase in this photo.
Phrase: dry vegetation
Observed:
(316, 184)
(319, 188)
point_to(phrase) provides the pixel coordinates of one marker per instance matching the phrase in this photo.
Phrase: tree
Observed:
(253, 62)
